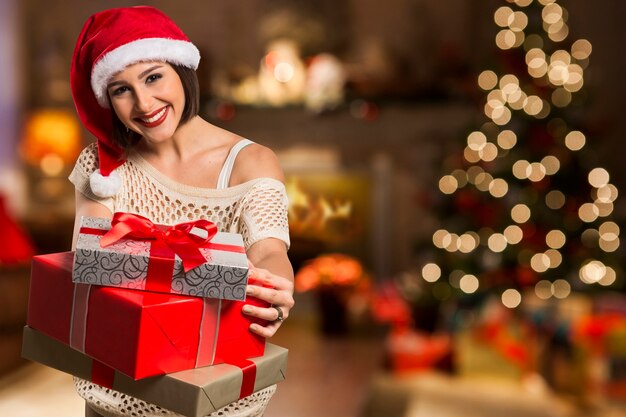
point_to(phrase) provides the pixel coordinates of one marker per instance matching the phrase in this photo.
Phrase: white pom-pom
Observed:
(105, 186)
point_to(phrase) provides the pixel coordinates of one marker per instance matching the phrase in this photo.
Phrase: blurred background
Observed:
(454, 172)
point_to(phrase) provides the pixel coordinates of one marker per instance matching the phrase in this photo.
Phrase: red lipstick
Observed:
(161, 113)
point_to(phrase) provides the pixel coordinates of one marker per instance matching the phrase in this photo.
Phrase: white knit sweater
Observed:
(256, 209)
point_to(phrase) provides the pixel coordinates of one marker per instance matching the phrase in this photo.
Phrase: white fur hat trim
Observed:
(105, 186)
(149, 49)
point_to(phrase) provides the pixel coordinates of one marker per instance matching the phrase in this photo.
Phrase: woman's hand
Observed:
(274, 289)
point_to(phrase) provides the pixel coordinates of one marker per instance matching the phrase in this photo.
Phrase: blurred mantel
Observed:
(358, 130)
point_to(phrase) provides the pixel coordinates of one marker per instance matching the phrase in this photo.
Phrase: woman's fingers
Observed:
(265, 331)
(273, 289)
(271, 295)
(263, 277)
(270, 287)
(268, 314)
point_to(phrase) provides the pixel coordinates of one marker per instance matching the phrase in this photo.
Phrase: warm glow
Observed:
(592, 272)
(309, 213)
(448, 184)
(487, 80)
(519, 22)
(540, 262)
(609, 231)
(598, 177)
(554, 257)
(581, 49)
(513, 234)
(441, 238)
(511, 298)
(537, 62)
(575, 140)
(520, 102)
(555, 199)
(521, 3)
(498, 188)
(51, 164)
(555, 239)
(460, 176)
(536, 172)
(533, 105)
(507, 39)
(604, 209)
(551, 164)
(476, 141)
(609, 277)
(329, 270)
(469, 284)
(543, 289)
(471, 155)
(520, 213)
(452, 241)
(483, 181)
(497, 242)
(561, 289)
(473, 173)
(609, 245)
(588, 212)
(558, 31)
(507, 139)
(431, 272)
(609, 236)
(51, 132)
(468, 242)
(489, 152)
(552, 13)
(284, 72)
(509, 84)
(521, 169)
(503, 16)
(606, 194)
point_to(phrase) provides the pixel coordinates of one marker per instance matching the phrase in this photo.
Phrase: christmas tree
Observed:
(526, 206)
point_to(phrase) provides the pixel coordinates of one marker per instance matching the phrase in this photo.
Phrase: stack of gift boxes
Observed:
(152, 312)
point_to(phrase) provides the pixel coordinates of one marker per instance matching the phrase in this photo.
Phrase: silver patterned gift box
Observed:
(125, 264)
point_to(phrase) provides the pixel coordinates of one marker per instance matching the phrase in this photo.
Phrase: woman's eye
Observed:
(152, 78)
(119, 90)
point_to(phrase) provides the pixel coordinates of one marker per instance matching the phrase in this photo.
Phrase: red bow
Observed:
(178, 238)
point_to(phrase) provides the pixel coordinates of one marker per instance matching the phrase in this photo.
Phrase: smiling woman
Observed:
(148, 98)
(126, 138)
(135, 88)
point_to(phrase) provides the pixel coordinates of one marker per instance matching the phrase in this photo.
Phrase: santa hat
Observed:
(110, 41)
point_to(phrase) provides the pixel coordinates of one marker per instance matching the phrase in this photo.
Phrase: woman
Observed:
(134, 85)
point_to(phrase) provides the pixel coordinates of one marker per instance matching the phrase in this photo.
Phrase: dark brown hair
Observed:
(127, 139)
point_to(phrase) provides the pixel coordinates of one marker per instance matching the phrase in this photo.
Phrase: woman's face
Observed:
(148, 98)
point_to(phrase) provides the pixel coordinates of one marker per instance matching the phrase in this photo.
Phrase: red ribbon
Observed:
(178, 238)
(102, 374)
(248, 368)
(166, 242)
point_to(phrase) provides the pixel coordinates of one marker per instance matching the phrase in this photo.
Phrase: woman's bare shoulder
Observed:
(256, 161)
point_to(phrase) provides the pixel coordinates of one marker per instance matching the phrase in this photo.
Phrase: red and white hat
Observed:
(110, 41)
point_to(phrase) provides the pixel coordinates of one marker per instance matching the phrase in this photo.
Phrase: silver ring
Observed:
(280, 313)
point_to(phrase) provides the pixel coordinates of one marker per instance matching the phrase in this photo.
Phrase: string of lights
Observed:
(537, 216)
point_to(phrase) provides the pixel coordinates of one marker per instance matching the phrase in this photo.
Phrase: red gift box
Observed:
(138, 333)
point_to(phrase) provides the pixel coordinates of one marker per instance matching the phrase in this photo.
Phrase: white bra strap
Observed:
(224, 179)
